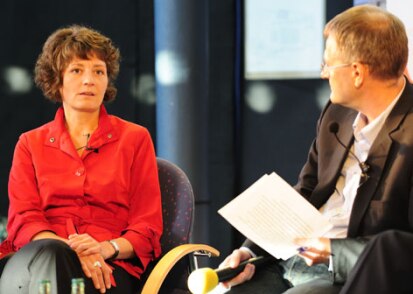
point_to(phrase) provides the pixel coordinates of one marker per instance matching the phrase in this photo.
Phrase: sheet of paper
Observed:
(272, 214)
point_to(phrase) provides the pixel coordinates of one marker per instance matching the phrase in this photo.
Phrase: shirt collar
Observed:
(59, 137)
(369, 132)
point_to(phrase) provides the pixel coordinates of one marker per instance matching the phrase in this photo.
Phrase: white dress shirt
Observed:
(338, 206)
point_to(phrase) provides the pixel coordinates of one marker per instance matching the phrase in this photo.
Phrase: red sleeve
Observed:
(25, 217)
(145, 214)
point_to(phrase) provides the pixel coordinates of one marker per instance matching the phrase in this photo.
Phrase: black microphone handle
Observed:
(227, 273)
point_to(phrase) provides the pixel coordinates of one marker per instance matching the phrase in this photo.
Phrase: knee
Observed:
(390, 235)
(393, 238)
(53, 245)
(49, 246)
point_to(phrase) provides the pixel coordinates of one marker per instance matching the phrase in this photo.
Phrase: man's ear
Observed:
(407, 74)
(359, 72)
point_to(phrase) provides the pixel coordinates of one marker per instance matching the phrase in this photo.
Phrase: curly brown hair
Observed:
(70, 42)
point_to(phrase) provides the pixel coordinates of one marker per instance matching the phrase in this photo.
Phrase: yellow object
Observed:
(162, 268)
(202, 280)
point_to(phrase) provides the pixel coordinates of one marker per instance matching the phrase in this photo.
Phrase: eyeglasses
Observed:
(326, 69)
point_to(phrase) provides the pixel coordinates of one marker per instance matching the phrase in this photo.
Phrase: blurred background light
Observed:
(260, 97)
(16, 80)
(171, 69)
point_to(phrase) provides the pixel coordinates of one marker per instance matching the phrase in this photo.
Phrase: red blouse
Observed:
(112, 190)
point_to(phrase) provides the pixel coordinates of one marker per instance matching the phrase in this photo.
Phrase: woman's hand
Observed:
(233, 260)
(90, 253)
(95, 267)
(84, 244)
(314, 250)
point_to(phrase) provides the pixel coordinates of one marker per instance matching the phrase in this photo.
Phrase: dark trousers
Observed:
(385, 266)
(291, 276)
(55, 261)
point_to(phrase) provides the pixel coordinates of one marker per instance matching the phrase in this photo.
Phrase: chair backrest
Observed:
(169, 274)
(178, 214)
(177, 205)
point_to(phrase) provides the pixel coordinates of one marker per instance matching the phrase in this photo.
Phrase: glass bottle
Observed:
(78, 286)
(44, 287)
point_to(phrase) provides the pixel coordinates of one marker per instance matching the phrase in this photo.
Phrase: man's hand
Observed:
(233, 260)
(314, 250)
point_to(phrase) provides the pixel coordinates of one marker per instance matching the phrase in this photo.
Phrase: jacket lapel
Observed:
(345, 135)
(377, 158)
(332, 163)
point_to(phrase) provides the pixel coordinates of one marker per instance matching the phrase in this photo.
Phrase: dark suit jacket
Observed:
(385, 200)
(385, 266)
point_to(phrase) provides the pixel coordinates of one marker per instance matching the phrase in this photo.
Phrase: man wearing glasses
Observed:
(359, 171)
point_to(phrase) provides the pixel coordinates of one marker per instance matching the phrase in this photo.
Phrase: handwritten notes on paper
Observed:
(272, 214)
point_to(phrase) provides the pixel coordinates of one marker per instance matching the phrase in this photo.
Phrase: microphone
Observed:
(205, 279)
(334, 127)
(96, 150)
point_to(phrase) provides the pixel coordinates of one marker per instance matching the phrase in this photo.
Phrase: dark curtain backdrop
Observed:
(242, 144)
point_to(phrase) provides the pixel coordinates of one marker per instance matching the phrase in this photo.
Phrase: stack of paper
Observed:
(272, 215)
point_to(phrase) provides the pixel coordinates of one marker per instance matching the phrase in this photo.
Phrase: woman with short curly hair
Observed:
(83, 188)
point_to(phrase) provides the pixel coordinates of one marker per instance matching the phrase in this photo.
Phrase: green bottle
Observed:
(78, 286)
(44, 287)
